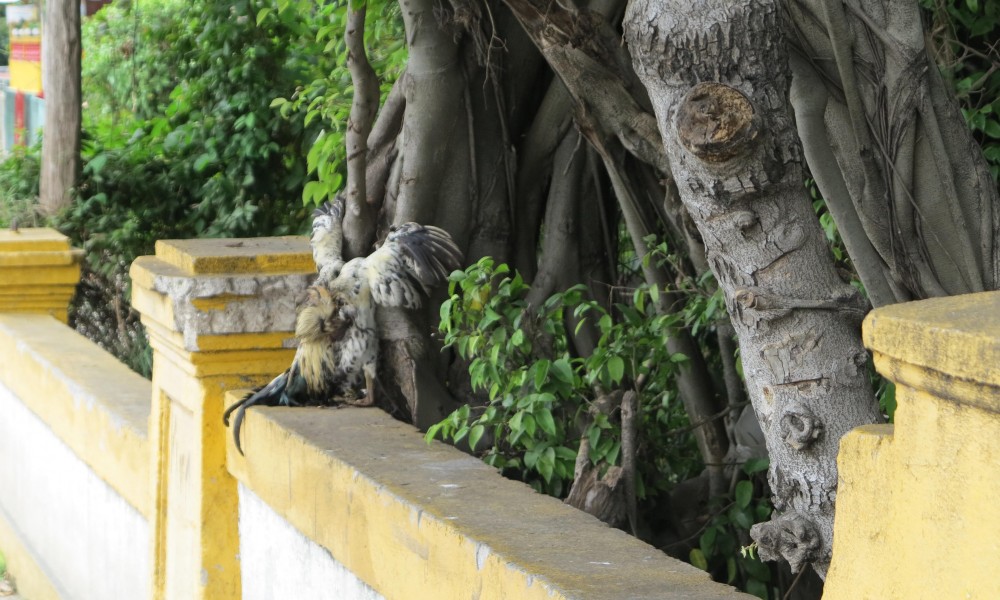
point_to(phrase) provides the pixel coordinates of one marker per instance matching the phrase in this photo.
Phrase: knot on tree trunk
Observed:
(716, 122)
(800, 428)
(792, 536)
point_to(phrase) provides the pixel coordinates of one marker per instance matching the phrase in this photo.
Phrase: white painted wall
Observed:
(277, 561)
(90, 542)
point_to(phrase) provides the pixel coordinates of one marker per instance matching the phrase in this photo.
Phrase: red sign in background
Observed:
(27, 51)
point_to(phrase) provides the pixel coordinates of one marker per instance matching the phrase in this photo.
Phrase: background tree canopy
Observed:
(590, 350)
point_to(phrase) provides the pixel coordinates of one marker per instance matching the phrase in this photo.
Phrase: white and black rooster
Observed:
(337, 355)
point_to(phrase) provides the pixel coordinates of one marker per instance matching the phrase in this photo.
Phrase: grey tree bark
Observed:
(904, 180)
(718, 77)
(359, 220)
(60, 169)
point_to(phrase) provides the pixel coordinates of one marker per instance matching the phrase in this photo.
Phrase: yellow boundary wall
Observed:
(410, 520)
(91, 403)
(416, 521)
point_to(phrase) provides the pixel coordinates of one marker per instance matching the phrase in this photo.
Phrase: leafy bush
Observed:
(202, 154)
(542, 400)
(19, 187)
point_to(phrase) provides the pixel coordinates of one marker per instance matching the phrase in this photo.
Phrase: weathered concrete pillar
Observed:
(916, 507)
(38, 272)
(220, 315)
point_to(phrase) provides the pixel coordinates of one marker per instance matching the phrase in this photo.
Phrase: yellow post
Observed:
(38, 272)
(220, 315)
(916, 506)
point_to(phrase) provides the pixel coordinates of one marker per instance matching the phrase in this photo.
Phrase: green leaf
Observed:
(530, 427)
(755, 465)
(757, 588)
(707, 541)
(741, 518)
(95, 164)
(541, 369)
(744, 493)
(992, 129)
(262, 14)
(475, 435)
(564, 453)
(698, 559)
(756, 569)
(546, 464)
(314, 191)
(762, 511)
(515, 423)
(616, 369)
(543, 417)
(432, 432)
(563, 371)
(202, 162)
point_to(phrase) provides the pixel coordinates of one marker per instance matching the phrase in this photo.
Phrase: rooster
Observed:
(338, 341)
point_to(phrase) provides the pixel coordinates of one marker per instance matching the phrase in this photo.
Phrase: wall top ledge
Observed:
(441, 523)
(958, 336)
(238, 255)
(33, 238)
(34, 247)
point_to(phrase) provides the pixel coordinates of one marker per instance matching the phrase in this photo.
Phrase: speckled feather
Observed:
(327, 239)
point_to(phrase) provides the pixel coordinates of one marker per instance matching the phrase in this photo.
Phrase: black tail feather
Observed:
(269, 395)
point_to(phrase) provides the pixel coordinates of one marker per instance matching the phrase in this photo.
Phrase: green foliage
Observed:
(541, 399)
(180, 137)
(4, 42)
(19, 187)
(127, 73)
(326, 100)
(719, 546)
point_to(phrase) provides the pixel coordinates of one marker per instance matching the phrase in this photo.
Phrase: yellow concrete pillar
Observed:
(916, 506)
(220, 316)
(38, 272)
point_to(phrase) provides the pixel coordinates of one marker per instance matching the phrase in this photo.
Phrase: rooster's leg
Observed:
(369, 398)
